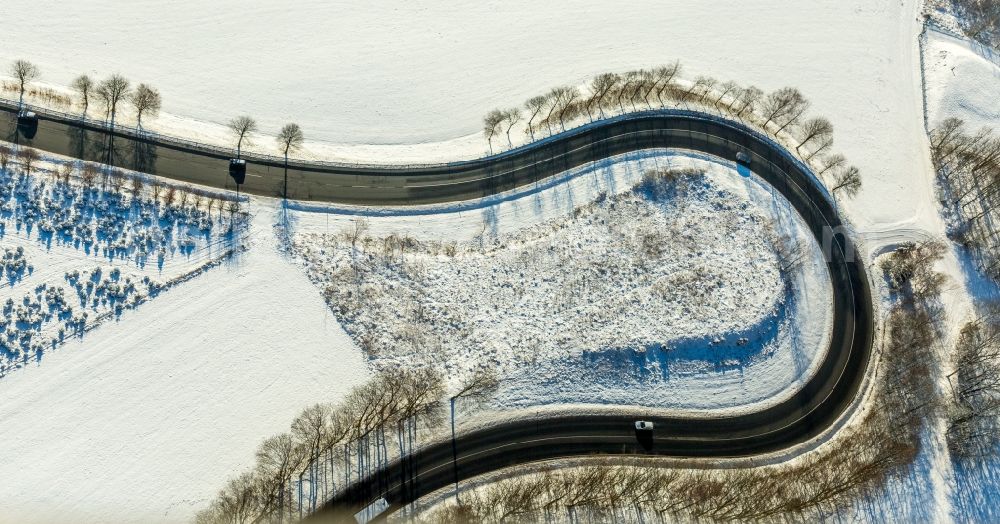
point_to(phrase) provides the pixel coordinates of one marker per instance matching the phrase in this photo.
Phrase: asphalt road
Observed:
(811, 410)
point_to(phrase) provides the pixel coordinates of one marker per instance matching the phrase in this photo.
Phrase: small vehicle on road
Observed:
(643, 425)
(742, 157)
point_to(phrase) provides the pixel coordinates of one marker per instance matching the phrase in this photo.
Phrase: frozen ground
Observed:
(423, 90)
(75, 256)
(145, 417)
(675, 299)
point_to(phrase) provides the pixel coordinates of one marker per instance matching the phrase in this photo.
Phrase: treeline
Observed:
(111, 92)
(330, 445)
(979, 20)
(968, 168)
(975, 409)
(855, 463)
(144, 99)
(780, 113)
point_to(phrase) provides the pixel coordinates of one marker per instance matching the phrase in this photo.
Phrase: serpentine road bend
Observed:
(804, 415)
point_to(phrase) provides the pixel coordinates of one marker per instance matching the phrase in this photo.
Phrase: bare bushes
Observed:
(331, 445)
(909, 270)
(660, 184)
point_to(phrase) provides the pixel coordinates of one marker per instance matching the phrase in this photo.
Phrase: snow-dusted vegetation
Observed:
(680, 277)
(89, 243)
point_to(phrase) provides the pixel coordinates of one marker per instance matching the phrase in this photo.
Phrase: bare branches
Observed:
(290, 138)
(325, 437)
(25, 72)
(146, 100)
(600, 86)
(111, 91)
(747, 100)
(28, 157)
(534, 105)
(814, 129)
(511, 117)
(481, 384)
(910, 269)
(243, 128)
(980, 20)
(783, 107)
(491, 125)
(973, 416)
(847, 180)
(83, 85)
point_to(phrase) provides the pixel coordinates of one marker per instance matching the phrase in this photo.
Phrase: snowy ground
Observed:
(331, 68)
(75, 257)
(144, 419)
(675, 299)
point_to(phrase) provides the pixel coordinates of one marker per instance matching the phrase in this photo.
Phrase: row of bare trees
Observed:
(111, 91)
(329, 446)
(779, 113)
(855, 463)
(968, 168)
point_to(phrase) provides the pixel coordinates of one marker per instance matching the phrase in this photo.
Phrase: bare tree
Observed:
(28, 156)
(848, 180)
(146, 100)
(243, 128)
(117, 180)
(832, 162)
(491, 125)
(747, 100)
(311, 431)
(534, 105)
(83, 85)
(479, 386)
(277, 458)
(25, 72)
(814, 129)
(980, 20)
(511, 117)
(565, 104)
(725, 89)
(290, 138)
(664, 79)
(600, 86)
(88, 175)
(783, 107)
(5, 155)
(559, 99)
(136, 185)
(112, 91)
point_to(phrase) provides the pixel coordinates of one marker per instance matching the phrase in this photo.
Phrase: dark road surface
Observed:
(811, 410)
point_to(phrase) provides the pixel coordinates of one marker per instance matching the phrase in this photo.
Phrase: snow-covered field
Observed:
(145, 418)
(229, 357)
